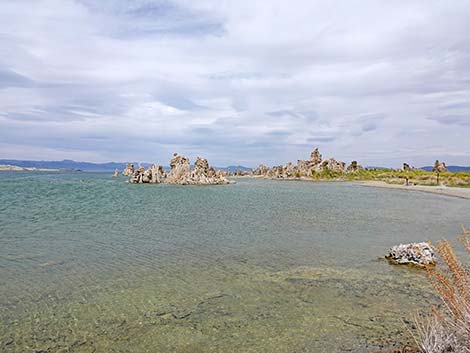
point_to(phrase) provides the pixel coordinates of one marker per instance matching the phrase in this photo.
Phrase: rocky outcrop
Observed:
(180, 173)
(315, 156)
(354, 167)
(406, 167)
(439, 167)
(420, 254)
(262, 170)
(138, 176)
(157, 174)
(240, 172)
(153, 175)
(116, 173)
(333, 165)
(306, 168)
(282, 171)
(316, 165)
(201, 166)
(202, 174)
(129, 170)
(180, 170)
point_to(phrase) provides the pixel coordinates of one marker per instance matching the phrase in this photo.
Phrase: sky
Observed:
(238, 82)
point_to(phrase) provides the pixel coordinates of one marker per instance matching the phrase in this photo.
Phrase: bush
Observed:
(448, 329)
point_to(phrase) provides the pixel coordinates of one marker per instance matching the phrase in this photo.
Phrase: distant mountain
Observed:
(450, 168)
(233, 168)
(88, 166)
(369, 167)
(69, 164)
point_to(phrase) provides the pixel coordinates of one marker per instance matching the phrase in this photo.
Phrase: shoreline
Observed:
(26, 169)
(462, 193)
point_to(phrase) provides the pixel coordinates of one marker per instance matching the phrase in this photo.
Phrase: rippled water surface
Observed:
(89, 263)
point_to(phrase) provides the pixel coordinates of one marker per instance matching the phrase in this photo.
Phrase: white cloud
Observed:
(239, 81)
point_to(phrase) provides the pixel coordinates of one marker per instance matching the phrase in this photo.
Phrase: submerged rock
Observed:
(420, 254)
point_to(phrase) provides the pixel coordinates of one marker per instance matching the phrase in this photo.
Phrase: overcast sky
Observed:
(238, 82)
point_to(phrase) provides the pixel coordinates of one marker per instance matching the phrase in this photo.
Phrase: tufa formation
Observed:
(307, 168)
(180, 173)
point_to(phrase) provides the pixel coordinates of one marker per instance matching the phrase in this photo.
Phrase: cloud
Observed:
(371, 122)
(10, 78)
(453, 119)
(280, 113)
(235, 81)
(320, 139)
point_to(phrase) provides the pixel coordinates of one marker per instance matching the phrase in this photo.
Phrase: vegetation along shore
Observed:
(437, 180)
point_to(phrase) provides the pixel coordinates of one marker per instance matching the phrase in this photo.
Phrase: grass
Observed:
(415, 177)
(447, 329)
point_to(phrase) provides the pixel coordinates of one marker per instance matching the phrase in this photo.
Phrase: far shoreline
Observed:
(458, 192)
(15, 168)
(462, 193)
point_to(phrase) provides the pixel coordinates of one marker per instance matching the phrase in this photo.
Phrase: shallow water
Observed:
(89, 263)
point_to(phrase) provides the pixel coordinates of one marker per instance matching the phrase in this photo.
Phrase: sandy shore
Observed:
(463, 193)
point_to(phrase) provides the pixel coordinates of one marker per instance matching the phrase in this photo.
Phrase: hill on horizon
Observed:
(450, 168)
(111, 166)
(89, 166)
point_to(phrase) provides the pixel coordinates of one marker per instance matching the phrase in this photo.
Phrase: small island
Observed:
(180, 173)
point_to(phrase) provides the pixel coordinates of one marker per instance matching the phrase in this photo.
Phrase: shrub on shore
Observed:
(414, 176)
(448, 329)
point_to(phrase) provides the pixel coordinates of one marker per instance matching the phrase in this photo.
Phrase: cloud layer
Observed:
(236, 81)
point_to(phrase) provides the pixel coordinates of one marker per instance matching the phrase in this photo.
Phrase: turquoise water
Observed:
(89, 263)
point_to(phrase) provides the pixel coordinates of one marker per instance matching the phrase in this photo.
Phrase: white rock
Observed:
(420, 254)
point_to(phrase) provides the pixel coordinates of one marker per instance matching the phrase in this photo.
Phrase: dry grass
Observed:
(432, 336)
(448, 329)
(415, 176)
(464, 238)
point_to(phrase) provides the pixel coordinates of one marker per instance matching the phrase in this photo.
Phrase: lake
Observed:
(89, 263)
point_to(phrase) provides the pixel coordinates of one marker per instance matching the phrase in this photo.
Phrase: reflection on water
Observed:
(89, 263)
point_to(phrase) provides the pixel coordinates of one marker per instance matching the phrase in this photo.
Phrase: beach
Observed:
(463, 193)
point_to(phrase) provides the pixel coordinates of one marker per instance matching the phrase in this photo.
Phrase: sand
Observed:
(463, 193)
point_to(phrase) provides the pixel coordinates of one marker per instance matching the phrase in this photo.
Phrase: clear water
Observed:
(89, 263)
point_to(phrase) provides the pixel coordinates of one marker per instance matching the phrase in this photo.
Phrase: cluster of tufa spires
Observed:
(439, 167)
(307, 168)
(180, 173)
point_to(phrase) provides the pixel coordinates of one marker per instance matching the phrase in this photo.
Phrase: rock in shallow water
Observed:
(420, 254)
